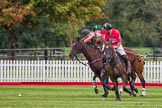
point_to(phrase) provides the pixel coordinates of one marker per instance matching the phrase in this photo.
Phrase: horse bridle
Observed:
(111, 57)
(76, 53)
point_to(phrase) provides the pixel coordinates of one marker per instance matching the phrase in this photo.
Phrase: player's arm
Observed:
(119, 39)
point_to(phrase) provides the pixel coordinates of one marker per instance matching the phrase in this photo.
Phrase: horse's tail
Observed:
(137, 57)
(140, 59)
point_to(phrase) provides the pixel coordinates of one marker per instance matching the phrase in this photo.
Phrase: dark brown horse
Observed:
(135, 59)
(115, 68)
(94, 59)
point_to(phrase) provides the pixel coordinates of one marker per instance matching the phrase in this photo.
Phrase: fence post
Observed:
(160, 71)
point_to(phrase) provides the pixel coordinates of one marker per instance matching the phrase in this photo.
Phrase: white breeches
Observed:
(120, 50)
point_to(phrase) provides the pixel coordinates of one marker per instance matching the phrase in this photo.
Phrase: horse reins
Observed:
(89, 63)
(79, 60)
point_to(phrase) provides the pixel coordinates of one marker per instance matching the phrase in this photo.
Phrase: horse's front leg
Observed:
(125, 81)
(94, 84)
(133, 78)
(115, 82)
(104, 82)
(131, 82)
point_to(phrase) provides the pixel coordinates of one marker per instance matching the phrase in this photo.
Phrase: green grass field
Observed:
(73, 97)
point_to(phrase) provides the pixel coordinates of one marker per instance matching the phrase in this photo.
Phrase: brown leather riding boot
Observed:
(125, 58)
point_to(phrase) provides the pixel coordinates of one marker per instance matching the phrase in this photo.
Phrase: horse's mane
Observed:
(99, 41)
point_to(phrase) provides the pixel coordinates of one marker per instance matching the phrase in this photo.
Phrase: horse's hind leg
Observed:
(143, 83)
(139, 66)
(94, 84)
(104, 82)
(133, 92)
(132, 81)
(134, 76)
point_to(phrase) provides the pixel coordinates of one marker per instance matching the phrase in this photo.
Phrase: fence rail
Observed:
(62, 71)
(34, 54)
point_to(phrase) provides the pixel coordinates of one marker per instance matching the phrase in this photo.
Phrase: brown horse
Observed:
(115, 68)
(137, 64)
(135, 59)
(94, 58)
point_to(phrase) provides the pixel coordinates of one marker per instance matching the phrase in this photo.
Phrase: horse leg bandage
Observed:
(143, 92)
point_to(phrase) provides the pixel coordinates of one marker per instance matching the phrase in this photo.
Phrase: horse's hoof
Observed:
(136, 90)
(113, 89)
(142, 95)
(104, 96)
(131, 93)
(118, 99)
(96, 91)
(134, 95)
(120, 93)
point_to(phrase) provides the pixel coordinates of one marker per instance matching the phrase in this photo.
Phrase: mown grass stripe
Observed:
(73, 97)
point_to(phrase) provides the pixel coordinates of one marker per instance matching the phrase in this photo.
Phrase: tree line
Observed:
(55, 23)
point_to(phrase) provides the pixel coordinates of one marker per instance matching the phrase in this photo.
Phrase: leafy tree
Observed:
(30, 22)
(146, 16)
(14, 17)
(139, 21)
(68, 16)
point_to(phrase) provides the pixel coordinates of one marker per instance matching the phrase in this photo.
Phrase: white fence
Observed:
(62, 71)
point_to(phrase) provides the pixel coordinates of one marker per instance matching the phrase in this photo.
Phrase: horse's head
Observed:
(98, 41)
(108, 51)
(76, 48)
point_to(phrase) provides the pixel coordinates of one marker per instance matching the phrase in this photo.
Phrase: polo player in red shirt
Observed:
(113, 36)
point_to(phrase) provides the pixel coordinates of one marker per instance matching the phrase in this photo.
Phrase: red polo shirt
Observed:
(114, 37)
(104, 33)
